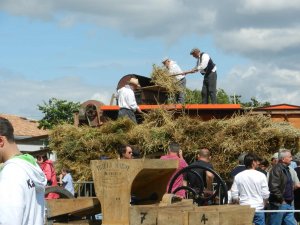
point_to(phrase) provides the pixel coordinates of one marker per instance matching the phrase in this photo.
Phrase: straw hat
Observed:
(134, 81)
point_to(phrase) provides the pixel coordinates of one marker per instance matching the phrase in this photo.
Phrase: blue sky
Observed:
(78, 50)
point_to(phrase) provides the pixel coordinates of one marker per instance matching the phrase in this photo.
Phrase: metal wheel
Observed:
(198, 194)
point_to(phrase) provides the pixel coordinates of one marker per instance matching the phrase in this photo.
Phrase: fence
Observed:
(84, 189)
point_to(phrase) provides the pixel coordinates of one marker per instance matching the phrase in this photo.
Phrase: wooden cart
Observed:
(118, 183)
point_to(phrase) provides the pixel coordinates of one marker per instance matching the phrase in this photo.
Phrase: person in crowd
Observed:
(66, 180)
(282, 182)
(174, 152)
(274, 161)
(208, 69)
(239, 168)
(125, 152)
(264, 165)
(49, 171)
(22, 183)
(127, 101)
(250, 187)
(297, 191)
(203, 159)
(174, 69)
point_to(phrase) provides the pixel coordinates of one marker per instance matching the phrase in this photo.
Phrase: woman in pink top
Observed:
(49, 171)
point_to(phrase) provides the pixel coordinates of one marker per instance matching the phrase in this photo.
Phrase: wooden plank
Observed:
(174, 217)
(56, 207)
(81, 222)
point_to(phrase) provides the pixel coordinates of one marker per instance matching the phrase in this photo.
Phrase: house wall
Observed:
(293, 119)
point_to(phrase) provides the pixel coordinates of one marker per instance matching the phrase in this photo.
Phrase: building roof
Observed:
(24, 127)
(279, 107)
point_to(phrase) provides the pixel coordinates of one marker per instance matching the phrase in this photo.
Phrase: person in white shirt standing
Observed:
(173, 69)
(250, 187)
(127, 101)
(22, 183)
(208, 69)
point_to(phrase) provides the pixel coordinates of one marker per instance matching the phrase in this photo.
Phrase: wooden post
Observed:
(116, 180)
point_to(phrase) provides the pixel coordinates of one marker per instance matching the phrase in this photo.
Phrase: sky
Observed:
(78, 50)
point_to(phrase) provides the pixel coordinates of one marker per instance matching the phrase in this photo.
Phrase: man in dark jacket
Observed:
(281, 187)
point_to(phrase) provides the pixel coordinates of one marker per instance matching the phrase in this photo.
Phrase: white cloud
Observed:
(266, 83)
(250, 40)
(21, 96)
(269, 5)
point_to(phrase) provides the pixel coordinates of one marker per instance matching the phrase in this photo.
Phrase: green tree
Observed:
(222, 97)
(255, 103)
(194, 97)
(57, 111)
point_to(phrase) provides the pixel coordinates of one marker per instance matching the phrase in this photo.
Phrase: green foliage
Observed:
(255, 103)
(194, 96)
(57, 111)
(222, 97)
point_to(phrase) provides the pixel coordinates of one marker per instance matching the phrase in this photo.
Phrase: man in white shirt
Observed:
(208, 69)
(173, 69)
(126, 100)
(22, 183)
(250, 187)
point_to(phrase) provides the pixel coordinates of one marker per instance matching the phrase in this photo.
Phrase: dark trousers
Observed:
(209, 88)
(127, 112)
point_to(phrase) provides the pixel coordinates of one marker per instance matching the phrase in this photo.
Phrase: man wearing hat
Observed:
(126, 100)
(173, 69)
(208, 69)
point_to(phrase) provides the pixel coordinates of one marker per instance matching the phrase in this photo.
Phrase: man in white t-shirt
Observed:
(22, 183)
(250, 187)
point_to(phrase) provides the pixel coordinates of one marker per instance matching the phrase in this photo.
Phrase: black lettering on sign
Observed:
(143, 217)
(204, 219)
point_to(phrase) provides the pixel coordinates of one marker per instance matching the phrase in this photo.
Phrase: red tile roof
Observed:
(280, 107)
(24, 127)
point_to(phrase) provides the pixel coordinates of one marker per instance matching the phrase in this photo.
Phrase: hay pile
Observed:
(161, 77)
(226, 139)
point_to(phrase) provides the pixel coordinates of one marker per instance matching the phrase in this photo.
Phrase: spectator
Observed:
(66, 180)
(281, 184)
(203, 159)
(174, 152)
(22, 183)
(239, 168)
(250, 187)
(125, 152)
(49, 171)
(297, 191)
(263, 165)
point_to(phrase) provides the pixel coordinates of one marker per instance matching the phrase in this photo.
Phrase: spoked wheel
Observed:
(199, 194)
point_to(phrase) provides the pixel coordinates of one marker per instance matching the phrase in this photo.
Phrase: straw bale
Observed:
(161, 77)
(227, 138)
